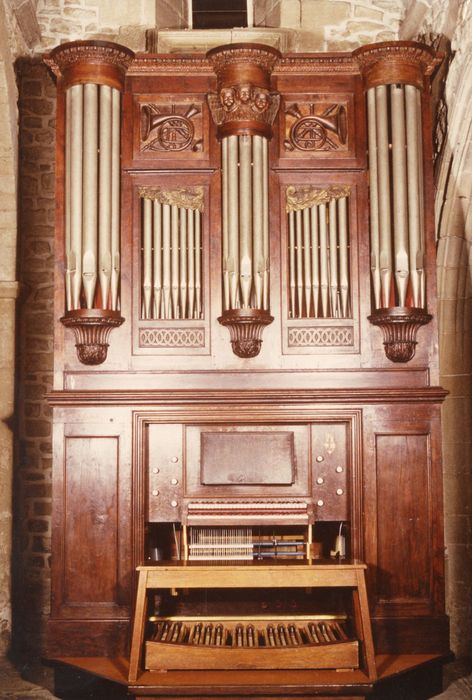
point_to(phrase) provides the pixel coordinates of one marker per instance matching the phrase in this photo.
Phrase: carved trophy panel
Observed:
(170, 128)
(319, 128)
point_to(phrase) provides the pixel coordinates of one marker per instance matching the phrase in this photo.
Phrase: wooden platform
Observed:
(420, 674)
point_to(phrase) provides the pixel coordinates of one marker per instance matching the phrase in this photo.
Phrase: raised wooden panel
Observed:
(92, 535)
(165, 472)
(404, 506)
(91, 519)
(321, 122)
(331, 471)
(291, 479)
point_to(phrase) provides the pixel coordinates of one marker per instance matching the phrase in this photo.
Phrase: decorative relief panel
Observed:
(172, 338)
(170, 127)
(307, 337)
(315, 126)
(326, 128)
(242, 103)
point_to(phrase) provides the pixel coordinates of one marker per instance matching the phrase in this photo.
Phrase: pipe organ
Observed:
(246, 505)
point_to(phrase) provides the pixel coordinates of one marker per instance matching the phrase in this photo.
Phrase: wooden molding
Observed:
(395, 62)
(99, 62)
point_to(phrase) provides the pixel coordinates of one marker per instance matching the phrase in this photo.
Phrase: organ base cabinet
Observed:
(246, 400)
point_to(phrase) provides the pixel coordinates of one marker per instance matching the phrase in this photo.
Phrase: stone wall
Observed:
(8, 293)
(454, 225)
(35, 353)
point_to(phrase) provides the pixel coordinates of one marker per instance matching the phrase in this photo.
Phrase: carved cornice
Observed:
(317, 64)
(149, 64)
(302, 197)
(236, 55)
(188, 399)
(395, 62)
(101, 62)
(185, 197)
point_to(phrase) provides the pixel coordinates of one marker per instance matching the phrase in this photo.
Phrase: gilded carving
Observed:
(309, 131)
(184, 197)
(169, 128)
(301, 197)
(243, 103)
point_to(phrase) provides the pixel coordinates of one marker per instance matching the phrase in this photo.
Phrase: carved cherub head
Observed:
(227, 99)
(244, 94)
(261, 101)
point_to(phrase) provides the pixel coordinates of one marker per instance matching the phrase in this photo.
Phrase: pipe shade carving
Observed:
(394, 76)
(93, 76)
(244, 109)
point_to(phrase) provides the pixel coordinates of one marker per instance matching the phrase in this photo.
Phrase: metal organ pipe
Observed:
(318, 252)
(171, 277)
(244, 109)
(394, 79)
(92, 196)
(92, 78)
(396, 186)
(245, 224)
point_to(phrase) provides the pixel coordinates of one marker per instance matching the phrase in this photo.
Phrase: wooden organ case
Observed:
(246, 367)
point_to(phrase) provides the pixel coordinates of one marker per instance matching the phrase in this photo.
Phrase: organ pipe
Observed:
(318, 252)
(92, 197)
(92, 76)
(171, 278)
(394, 76)
(244, 110)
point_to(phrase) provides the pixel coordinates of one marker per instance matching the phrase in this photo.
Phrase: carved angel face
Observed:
(245, 94)
(227, 99)
(261, 101)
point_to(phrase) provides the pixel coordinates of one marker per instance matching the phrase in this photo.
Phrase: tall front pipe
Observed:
(394, 75)
(244, 109)
(92, 76)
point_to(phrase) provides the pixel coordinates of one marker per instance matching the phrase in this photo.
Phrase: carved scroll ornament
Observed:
(185, 197)
(299, 198)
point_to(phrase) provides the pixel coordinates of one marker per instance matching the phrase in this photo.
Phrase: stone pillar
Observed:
(8, 293)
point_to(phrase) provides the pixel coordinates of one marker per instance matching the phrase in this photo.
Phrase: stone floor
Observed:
(13, 687)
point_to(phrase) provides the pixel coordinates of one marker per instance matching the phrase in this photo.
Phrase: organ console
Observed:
(266, 510)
